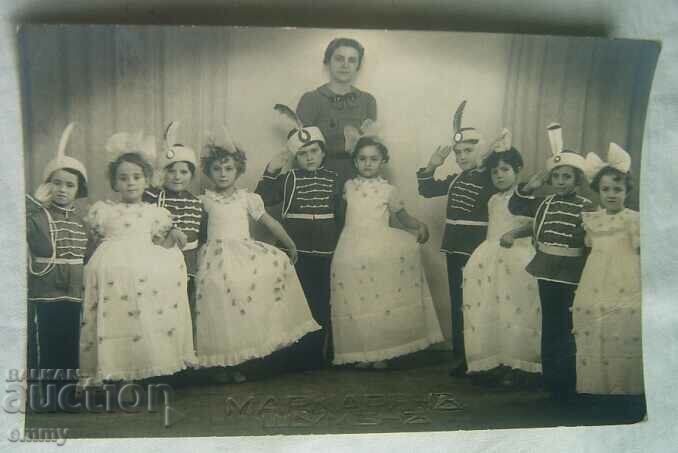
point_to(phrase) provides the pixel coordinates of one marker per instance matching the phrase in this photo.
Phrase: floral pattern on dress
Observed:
(249, 301)
(380, 299)
(136, 322)
(502, 312)
(607, 307)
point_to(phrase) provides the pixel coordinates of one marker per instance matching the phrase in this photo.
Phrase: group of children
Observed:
(162, 280)
(150, 310)
(566, 303)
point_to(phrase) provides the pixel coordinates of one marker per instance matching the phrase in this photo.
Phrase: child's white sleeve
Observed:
(347, 185)
(586, 218)
(255, 206)
(97, 216)
(587, 239)
(395, 203)
(162, 222)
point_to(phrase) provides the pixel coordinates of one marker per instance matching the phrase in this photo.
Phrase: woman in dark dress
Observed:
(338, 103)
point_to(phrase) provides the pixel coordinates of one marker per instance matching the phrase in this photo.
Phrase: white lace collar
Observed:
(220, 198)
(359, 180)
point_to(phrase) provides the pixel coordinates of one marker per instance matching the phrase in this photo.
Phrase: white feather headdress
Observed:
(369, 128)
(61, 161)
(124, 142)
(559, 155)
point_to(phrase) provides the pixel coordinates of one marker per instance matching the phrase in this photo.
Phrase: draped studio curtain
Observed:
(597, 89)
(111, 79)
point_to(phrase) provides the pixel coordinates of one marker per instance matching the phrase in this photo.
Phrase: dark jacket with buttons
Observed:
(188, 215)
(467, 196)
(311, 206)
(558, 234)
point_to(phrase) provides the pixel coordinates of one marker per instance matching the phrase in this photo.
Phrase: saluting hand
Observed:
(536, 181)
(279, 161)
(439, 156)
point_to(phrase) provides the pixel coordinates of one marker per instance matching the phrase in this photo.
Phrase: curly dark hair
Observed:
(511, 156)
(217, 153)
(370, 141)
(343, 42)
(132, 158)
(616, 177)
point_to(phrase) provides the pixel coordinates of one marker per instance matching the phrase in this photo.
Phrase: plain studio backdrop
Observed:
(112, 79)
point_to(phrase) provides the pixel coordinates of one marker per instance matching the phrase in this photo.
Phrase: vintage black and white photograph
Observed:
(245, 231)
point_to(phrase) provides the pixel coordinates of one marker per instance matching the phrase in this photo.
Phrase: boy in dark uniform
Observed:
(58, 243)
(468, 192)
(189, 220)
(311, 199)
(559, 259)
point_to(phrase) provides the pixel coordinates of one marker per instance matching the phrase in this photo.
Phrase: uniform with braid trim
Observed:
(467, 196)
(188, 215)
(64, 281)
(558, 263)
(58, 243)
(467, 193)
(310, 204)
(558, 234)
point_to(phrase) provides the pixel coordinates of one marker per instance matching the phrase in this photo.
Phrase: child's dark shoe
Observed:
(458, 368)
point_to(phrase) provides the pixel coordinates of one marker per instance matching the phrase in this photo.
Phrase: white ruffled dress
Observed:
(606, 310)
(136, 321)
(502, 312)
(249, 301)
(381, 303)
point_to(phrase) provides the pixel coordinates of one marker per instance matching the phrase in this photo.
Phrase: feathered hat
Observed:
(617, 158)
(226, 141)
(124, 142)
(503, 143)
(369, 128)
(500, 145)
(174, 151)
(560, 156)
(464, 134)
(302, 135)
(61, 161)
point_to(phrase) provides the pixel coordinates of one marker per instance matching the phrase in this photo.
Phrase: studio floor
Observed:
(415, 394)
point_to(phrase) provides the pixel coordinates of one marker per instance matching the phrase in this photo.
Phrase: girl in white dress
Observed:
(502, 322)
(381, 304)
(135, 321)
(249, 301)
(606, 310)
